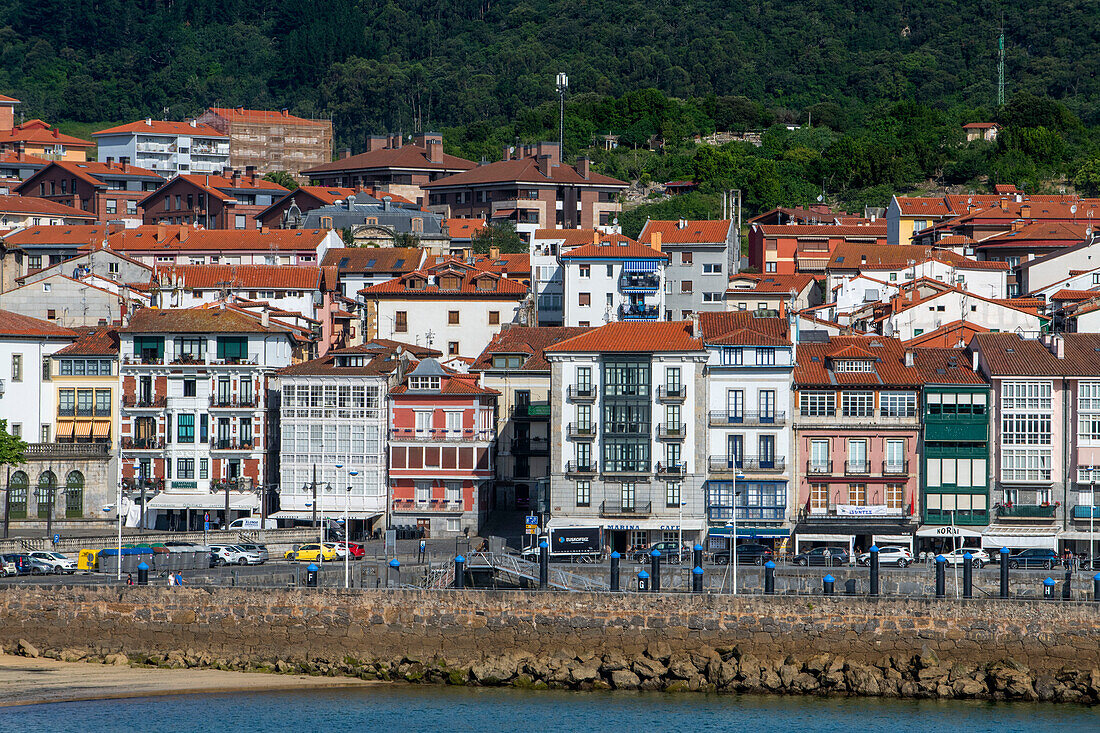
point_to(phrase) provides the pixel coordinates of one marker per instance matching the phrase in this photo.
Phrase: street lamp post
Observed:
(347, 533)
(733, 549)
(1092, 515)
(339, 467)
(563, 86)
(118, 511)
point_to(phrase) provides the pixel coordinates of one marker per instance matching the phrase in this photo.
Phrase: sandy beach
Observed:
(25, 681)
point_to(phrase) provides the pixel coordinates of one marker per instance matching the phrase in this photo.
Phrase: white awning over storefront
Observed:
(997, 536)
(932, 530)
(308, 515)
(669, 525)
(204, 500)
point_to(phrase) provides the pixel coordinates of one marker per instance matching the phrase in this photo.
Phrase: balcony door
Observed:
(224, 435)
(735, 405)
(735, 451)
(819, 456)
(626, 497)
(857, 455)
(767, 451)
(767, 405)
(895, 456)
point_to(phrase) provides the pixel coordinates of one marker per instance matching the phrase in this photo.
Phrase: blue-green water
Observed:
(496, 710)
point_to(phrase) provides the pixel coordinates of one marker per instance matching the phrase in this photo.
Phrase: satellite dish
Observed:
(969, 200)
(1073, 209)
(820, 198)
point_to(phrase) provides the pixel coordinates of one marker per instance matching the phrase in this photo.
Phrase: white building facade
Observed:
(608, 283)
(168, 148)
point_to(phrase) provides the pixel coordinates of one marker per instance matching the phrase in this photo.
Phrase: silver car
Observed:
(57, 562)
(233, 555)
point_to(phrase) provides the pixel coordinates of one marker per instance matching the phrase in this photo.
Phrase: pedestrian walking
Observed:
(129, 578)
(179, 579)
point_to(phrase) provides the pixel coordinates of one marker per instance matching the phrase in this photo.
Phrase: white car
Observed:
(7, 567)
(233, 555)
(899, 556)
(978, 558)
(339, 548)
(56, 561)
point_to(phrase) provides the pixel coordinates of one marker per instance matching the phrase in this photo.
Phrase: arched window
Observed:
(74, 495)
(17, 495)
(47, 482)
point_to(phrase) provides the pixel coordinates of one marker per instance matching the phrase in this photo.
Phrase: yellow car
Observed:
(311, 553)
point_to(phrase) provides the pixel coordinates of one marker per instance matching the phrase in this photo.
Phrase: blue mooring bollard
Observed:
(941, 576)
(1096, 587)
(697, 580)
(143, 573)
(769, 578)
(655, 571)
(544, 565)
(873, 563)
(697, 556)
(1048, 589)
(395, 568)
(460, 572)
(1004, 572)
(968, 575)
(311, 575)
(615, 556)
(643, 581)
(828, 585)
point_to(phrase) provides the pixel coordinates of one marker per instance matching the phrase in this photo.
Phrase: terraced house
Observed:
(627, 447)
(856, 437)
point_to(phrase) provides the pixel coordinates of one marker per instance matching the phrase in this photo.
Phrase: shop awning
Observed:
(65, 430)
(640, 265)
(101, 429)
(669, 525)
(997, 536)
(83, 429)
(750, 531)
(843, 538)
(1082, 535)
(203, 500)
(932, 530)
(307, 515)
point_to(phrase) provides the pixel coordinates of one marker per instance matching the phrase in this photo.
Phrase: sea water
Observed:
(409, 708)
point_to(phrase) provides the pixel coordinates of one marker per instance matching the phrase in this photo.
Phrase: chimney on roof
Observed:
(162, 232)
(1058, 346)
(549, 149)
(345, 153)
(506, 152)
(435, 150)
(193, 122)
(236, 179)
(265, 317)
(695, 324)
(543, 163)
(1025, 211)
(655, 240)
(241, 110)
(681, 224)
(284, 112)
(386, 202)
(595, 237)
(398, 141)
(909, 357)
(376, 142)
(583, 167)
(55, 133)
(184, 231)
(974, 360)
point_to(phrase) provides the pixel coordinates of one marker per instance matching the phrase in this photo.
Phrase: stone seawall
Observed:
(847, 646)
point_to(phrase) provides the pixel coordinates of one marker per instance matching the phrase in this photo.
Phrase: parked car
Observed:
(670, 552)
(21, 560)
(353, 548)
(747, 554)
(822, 556)
(310, 553)
(39, 566)
(233, 555)
(7, 567)
(1034, 558)
(899, 556)
(58, 563)
(259, 549)
(978, 558)
(338, 548)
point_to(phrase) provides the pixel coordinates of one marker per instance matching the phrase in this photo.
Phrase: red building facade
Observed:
(442, 435)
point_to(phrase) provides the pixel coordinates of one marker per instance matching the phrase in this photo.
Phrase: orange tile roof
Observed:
(198, 320)
(693, 232)
(8, 100)
(373, 259)
(379, 360)
(765, 283)
(923, 205)
(260, 115)
(978, 125)
(156, 237)
(813, 361)
(578, 237)
(948, 335)
(1070, 294)
(37, 131)
(96, 342)
(742, 328)
(1039, 233)
(17, 324)
(94, 172)
(32, 205)
(254, 277)
(60, 234)
(463, 228)
(533, 342)
(1007, 354)
(876, 230)
(946, 366)
(505, 287)
(524, 170)
(625, 250)
(223, 182)
(160, 127)
(406, 156)
(10, 156)
(851, 256)
(633, 337)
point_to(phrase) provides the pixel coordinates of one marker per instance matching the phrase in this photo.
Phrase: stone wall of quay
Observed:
(842, 645)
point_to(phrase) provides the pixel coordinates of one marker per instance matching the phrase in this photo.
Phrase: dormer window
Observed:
(424, 383)
(486, 283)
(350, 360)
(854, 365)
(449, 282)
(507, 361)
(417, 283)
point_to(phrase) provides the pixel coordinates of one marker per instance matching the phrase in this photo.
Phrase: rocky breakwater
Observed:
(843, 646)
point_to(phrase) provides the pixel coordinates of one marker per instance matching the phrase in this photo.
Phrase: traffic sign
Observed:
(532, 529)
(56, 538)
(532, 519)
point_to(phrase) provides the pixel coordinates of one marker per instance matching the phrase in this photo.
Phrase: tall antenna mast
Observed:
(1001, 65)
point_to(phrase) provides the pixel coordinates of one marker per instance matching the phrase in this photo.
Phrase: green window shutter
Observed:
(232, 347)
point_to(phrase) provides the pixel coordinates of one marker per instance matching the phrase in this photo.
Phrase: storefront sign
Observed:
(870, 510)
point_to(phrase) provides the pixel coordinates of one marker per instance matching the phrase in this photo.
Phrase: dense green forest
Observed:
(886, 83)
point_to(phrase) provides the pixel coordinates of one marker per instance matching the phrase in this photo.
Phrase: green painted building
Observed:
(955, 460)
